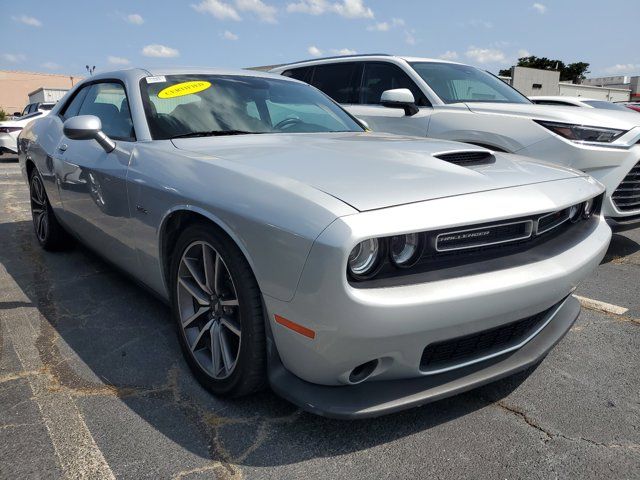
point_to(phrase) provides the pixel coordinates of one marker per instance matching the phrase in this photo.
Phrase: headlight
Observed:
(587, 210)
(404, 249)
(364, 258)
(580, 133)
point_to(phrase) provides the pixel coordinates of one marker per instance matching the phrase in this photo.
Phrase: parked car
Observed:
(35, 107)
(356, 273)
(10, 129)
(448, 100)
(560, 101)
(635, 106)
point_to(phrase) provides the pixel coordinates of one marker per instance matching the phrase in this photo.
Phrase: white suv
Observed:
(436, 98)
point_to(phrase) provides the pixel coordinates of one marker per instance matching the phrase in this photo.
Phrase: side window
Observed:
(108, 102)
(379, 77)
(303, 73)
(336, 80)
(73, 107)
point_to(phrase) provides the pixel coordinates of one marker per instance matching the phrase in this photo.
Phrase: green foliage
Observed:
(575, 72)
(3, 115)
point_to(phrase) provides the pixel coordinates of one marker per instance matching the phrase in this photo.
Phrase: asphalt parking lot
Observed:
(93, 385)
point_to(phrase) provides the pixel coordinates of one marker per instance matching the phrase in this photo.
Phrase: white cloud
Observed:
(623, 68)
(409, 38)
(485, 55)
(344, 8)
(379, 27)
(386, 26)
(227, 35)
(449, 55)
(14, 57)
(113, 60)
(50, 66)
(159, 51)
(523, 53)
(343, 51)
(220, 10)
(540, 8)
(266, 13)
(478, 23)
(315, 51)
(134, 18)
(31, 21)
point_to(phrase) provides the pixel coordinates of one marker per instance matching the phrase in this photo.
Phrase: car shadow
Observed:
(620, 246)
(103, 338)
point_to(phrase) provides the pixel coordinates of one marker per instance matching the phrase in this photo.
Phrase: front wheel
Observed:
(218, 310)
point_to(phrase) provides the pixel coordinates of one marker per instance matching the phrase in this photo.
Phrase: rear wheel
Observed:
(218, 310)
(49, 232)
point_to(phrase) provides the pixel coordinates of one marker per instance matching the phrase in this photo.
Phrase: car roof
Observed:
(370, 56)
(139, 73)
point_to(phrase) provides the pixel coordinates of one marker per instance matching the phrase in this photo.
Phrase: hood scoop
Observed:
(467, 158)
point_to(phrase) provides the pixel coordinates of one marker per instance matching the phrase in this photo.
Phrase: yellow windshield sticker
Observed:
(184, 88)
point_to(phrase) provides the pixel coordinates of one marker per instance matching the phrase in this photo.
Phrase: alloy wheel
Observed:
(39, 208)
(209, 309)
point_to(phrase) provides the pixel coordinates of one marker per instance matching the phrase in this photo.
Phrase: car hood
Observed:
(582, 116)
(370, 171)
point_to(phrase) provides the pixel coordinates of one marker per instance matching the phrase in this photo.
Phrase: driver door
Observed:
(92, 182)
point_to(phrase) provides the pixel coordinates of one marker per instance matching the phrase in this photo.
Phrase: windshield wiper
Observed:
(214, 133)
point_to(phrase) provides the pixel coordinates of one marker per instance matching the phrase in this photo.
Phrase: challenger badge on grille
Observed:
(484, 236)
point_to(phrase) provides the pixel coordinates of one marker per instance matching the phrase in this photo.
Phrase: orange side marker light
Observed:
(295, 327)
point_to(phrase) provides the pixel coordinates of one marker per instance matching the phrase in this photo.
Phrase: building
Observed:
(15, 87)
(44, 94)
(534, 81)
(619, 81)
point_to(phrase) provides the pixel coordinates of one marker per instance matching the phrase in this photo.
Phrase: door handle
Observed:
(62, 147)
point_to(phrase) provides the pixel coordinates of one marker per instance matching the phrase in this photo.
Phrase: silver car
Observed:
(355, 273)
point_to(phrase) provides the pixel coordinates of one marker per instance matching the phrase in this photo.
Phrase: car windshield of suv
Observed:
(455, 83)
(210, 105)
(46, 106)
(605, 105)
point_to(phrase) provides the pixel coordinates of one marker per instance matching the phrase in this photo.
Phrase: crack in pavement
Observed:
(551, 435)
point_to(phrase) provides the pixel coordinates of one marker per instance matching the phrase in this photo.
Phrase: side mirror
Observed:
(88, 127)
(400, 98)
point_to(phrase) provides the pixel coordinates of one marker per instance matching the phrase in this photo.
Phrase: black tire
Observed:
(50, 234)
(249, 373)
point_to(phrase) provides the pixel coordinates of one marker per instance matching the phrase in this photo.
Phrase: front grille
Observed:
(467, 158)
(627, 195)
(460, 350)
(484, 236)
(552, 220)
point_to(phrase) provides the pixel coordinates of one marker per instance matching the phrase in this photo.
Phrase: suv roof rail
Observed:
(355, 55)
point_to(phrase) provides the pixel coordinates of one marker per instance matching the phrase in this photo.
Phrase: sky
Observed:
(62, 36)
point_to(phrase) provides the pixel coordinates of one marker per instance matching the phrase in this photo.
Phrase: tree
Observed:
(3, 115)
(574, 72)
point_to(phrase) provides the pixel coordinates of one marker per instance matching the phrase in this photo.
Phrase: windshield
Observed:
(46, 106)
(462, 83)
(209, 105)
(605, 105)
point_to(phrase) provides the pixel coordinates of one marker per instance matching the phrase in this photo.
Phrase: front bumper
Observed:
(608, 165)
(379, 398)
(394, 324)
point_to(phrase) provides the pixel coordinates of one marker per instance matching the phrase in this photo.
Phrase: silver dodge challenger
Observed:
(355, 273)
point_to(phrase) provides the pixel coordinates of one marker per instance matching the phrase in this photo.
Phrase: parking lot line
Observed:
(592, 304)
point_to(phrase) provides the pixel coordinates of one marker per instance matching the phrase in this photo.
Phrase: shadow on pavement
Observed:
(101, 335)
